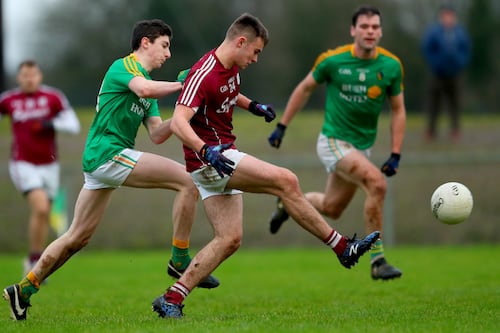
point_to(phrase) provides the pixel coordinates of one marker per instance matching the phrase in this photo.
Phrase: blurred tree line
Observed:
(77, 40)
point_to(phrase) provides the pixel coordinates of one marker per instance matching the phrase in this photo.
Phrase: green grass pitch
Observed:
(443, 289)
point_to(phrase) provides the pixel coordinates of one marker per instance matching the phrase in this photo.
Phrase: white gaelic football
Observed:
(451, 203)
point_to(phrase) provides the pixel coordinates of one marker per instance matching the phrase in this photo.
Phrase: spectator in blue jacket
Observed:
(446, 47)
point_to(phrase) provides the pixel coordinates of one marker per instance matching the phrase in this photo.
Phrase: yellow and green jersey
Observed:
(119, 114)
(356, 91)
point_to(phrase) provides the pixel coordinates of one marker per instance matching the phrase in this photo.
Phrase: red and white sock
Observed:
(337, 242)
(176, 293)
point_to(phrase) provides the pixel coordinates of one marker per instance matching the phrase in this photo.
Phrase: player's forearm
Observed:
(156, 89)
(67, 122)
(182, 129)
(161, 133)
(243, 101)
(296, 102)
(398, 124)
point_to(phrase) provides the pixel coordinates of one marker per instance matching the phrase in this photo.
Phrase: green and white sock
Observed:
(377, 251)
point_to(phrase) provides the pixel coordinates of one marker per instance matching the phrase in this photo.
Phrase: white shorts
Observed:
(114, 172)
(208, 181)
(331, 150)
(27, 176)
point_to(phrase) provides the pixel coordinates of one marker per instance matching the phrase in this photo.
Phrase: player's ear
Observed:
(145, 42)
(240, 41)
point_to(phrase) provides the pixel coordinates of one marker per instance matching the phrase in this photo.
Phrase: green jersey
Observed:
(356, 91)
(120, 113)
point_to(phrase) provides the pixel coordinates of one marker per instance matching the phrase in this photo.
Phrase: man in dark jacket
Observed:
(446, 48)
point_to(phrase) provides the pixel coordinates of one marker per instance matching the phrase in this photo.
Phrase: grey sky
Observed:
(19, 30)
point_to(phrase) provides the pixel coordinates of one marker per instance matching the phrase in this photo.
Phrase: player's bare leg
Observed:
(257, 176)
(356, 170)
(38, 228)
(89, 209)
(337, 196)
(225, 213)
(154, 171)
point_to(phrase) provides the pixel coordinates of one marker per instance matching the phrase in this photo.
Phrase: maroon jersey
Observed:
(30, 142)
(212, 91)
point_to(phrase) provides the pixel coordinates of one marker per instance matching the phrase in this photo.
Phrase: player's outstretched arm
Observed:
(296, 102)
(398, 124)
(145, 88)
(258, 109)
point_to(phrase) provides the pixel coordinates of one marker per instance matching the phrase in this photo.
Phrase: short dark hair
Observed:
(27, 63)
(248, 25)
(447, 7)
(365, 10)
(151, 29)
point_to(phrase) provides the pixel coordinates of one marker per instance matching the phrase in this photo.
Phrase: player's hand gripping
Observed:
(277, 135)
(390, 167)
(181, 77)
(213, 154)
(262, 110)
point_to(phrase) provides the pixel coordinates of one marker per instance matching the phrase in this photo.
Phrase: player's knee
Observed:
(193, 192)
(42, 215)
(288, 181)
(232, 244)
(333, 211)
(377, 188)
(75, 240)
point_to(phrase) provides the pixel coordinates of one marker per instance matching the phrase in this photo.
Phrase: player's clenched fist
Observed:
(213, 155)
(277, 135)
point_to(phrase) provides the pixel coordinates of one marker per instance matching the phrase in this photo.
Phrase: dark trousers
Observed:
(441, 90)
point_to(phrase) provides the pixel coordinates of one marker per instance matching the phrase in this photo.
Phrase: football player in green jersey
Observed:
(127, 99)
(358, 77)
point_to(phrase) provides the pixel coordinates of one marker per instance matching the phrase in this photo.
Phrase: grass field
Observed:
(443, 289)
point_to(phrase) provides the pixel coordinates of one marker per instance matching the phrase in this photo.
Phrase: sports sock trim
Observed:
(180, 244)
(33, 280)
(333, 239)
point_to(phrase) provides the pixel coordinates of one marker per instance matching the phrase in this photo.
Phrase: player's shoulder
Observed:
(7, 94)
(51, 91)
(336, 52)
(128, 64)
(207, 62)
(206, 69)
(388, 55)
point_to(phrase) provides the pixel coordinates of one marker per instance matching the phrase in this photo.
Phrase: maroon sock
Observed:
(337, 242)
(34, 256)
(176, 293)
(341, 246)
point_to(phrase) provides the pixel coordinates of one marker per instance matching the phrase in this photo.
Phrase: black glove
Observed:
(213, 154)
(390, 167)
(277, 135)
(262, 110)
